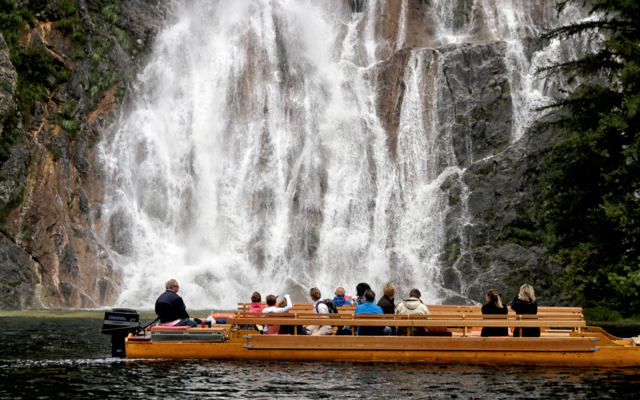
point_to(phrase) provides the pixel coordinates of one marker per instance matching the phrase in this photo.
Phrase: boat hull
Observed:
(434, 351)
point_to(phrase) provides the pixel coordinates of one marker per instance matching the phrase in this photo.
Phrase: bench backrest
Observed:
(448, 320)
(433, 308)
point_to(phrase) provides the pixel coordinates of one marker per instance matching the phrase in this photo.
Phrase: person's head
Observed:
(315, 294)
(361, 288)
(255, 297)
(283, 303)
(271, 300)
(340, 292)
(389, 290)
(370, 295)
(527, 293)
(415, 293)
(494, 297)
(172, 284)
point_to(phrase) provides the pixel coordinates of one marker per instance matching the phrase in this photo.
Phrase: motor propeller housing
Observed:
(118, 323)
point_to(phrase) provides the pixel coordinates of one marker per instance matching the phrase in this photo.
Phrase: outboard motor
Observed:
(118, 323)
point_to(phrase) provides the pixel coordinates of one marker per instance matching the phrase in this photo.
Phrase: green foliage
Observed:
(591, 180)
(13, 18)
(451, 251)
(72, 28)
(10, 134)
(462, 119)
(125, 40)
(79, 55)
(71, 127)
(55, 150)
(506, 87)
(111, 13)
(36, 76)
(67, 110)
(601, 314)
(498, 150)
(5, 208)
(481, 114)
(486, 170)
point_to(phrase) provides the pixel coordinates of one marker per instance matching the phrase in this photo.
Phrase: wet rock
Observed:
(456, 300)
(503, 248)
(17, 276)
(476, 100)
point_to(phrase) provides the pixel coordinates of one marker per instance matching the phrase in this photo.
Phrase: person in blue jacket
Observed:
(170, 307)
(369, 307)
(339, 300)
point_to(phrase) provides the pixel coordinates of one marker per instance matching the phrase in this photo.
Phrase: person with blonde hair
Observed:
(388, 306)
(494, 306)
(525, 304)
(386, 301)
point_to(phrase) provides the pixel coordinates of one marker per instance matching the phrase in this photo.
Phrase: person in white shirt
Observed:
(272, 308)
(271, 305)
(319, 308)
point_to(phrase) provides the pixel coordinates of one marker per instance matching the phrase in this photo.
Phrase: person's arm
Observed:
(180, 307)
(286, 308)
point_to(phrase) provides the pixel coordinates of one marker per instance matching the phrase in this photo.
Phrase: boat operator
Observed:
(170, 307)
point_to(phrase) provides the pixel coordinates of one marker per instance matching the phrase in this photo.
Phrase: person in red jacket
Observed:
(256, 303)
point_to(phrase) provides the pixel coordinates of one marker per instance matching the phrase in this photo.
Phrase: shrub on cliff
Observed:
(591, 184)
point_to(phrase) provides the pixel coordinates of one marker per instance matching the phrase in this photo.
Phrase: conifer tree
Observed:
(591, 179)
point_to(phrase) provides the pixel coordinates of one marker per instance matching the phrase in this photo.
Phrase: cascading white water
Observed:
(252, 156)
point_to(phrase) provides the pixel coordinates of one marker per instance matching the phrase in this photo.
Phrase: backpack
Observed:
(329, 303)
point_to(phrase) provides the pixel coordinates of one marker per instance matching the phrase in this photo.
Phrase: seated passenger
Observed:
(386, 302)
(289, 329)
(361, 289)
(370, 308)
(412, 306)
(319, 308)
(388, 306)
(256, 303)
(525, 304)
(494, 306)
(271, 308)
(340, 299)
(170, 307)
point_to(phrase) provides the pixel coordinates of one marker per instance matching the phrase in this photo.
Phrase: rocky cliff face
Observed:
(52, 181)
(51, 188)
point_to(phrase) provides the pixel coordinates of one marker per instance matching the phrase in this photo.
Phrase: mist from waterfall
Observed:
(252, 156)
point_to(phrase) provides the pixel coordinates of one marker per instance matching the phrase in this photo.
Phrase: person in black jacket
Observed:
(525, 304)
(386, 302)
(494, 306)
(170, 306)
(387, 305)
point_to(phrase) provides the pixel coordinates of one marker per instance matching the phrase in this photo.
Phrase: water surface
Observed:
(67, 357)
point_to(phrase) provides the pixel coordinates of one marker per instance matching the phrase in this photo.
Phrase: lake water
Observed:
(67, 357)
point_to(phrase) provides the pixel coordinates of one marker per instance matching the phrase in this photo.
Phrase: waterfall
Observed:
(252, 155)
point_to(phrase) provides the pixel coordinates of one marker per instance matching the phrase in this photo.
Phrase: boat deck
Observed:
(565, 340)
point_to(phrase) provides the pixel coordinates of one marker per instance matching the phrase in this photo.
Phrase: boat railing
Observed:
(464, 322)
(433, 308)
